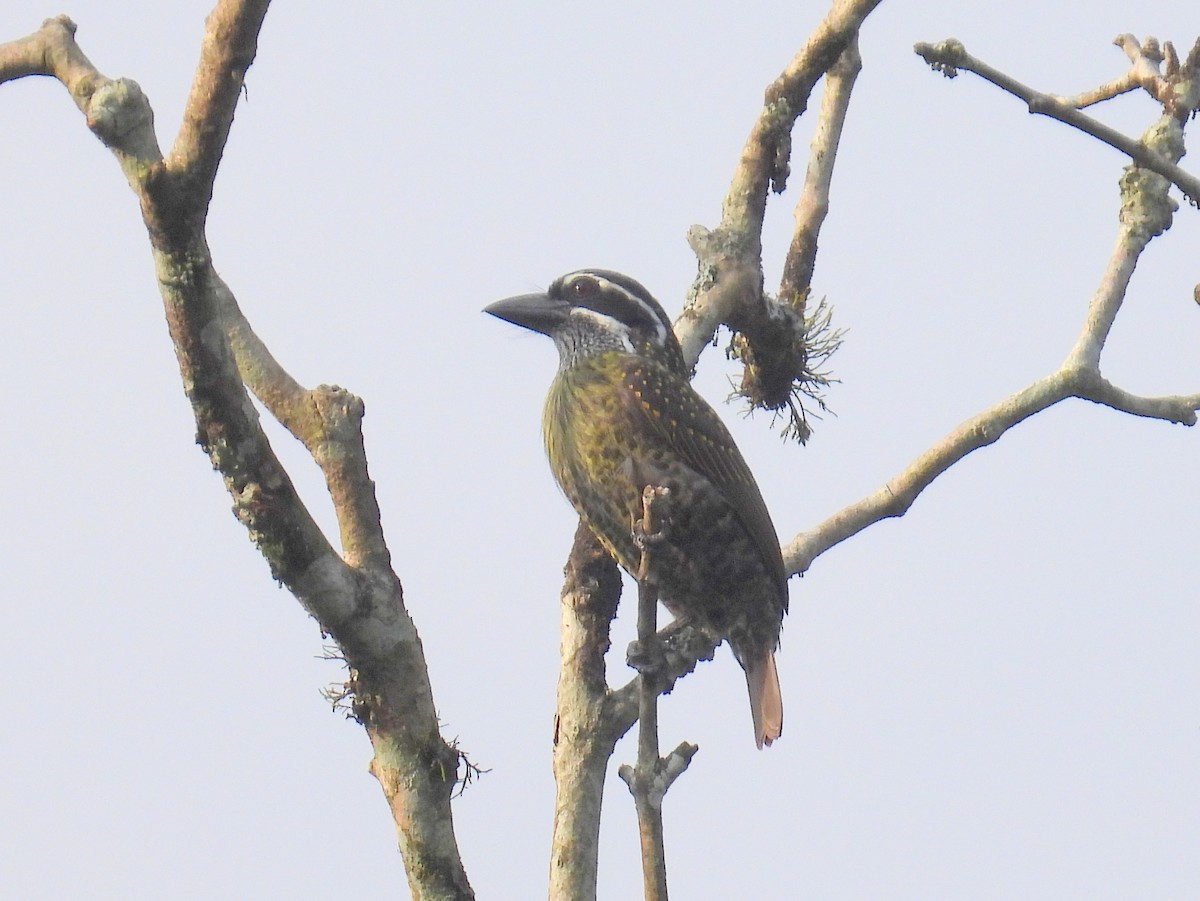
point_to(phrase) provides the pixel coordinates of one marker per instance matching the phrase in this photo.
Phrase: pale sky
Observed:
(996, 696)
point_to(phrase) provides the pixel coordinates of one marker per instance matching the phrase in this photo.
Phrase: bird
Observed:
(621, 414)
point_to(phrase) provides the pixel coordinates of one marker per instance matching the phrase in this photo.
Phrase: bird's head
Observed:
(594, 311)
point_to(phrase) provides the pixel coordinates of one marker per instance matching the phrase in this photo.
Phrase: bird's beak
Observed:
(538, 312)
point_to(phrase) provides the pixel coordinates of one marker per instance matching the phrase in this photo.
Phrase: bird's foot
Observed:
(652, 527)
(675, 649)
(647, 657)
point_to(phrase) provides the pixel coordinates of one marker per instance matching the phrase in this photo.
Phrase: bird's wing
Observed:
(697, 435)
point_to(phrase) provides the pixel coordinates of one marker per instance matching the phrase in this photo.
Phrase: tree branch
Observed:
(1144, 73)
(327, 420)
(117, 111)
(683, 645)
(897, 496)
(1146, 212)
(652, 776)
(729, 285)
(949, 56)
(52, 51)
(584, 732)
(894, 498)
(813, 205)
(357, 600)
(781, 347)
(229, 46)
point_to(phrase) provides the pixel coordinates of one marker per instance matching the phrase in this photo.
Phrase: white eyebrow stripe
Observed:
(660, 334)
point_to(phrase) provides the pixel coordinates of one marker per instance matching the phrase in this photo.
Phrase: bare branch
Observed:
(590, 718)
(1106, 302)
(230, 43)
(728, 287)
(326, 420)
(897, 496)
(584, 733)
(813, 205)
(894, 498)
(1176, 408)
(357, 600)
(117, 111)
(286, 399)
(1144, 74)
(52, 51)
(1145, 213)
(784, 368)
(649, 780)
(950, 56)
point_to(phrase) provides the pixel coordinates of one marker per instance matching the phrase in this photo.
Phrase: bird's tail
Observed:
(766, 699)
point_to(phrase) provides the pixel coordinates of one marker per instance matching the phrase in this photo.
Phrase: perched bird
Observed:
(621, 415)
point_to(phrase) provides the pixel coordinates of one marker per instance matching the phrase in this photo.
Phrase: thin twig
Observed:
(1145, 213)
(650, 779)
(641, 779)
(950, 56)
(813, 205)
(684, 645)
(1144, 73)
(729, 283)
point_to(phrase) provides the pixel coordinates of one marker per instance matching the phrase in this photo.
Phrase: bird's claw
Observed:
(647, 657)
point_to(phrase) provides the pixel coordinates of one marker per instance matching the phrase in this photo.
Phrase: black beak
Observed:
(538, 312)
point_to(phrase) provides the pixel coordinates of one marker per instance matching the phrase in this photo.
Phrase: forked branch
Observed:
(1146, 212)
(1179, 90)
(771, 335)
(355, 596)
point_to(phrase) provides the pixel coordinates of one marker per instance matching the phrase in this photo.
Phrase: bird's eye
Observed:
(584, 287)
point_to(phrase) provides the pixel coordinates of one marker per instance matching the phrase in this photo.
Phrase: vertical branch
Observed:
(229, 47)
(649, 780)
(647, 805)
(781, 348)
(355, 596)
(649, 811)
(584, 733)
(729, 284)
(813, 206)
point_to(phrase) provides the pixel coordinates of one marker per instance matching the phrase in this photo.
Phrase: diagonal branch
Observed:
(327, 420)
(813, 205)
(1145, 73)
(895, 498)
(229, 46)
(357, 598)
(950, 56)
(116, 111)
(1145, 213)
(729, 285)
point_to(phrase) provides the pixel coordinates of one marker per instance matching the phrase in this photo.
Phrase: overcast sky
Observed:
(997, 696)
